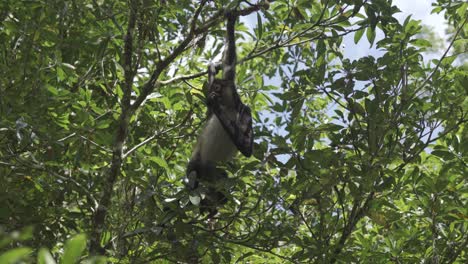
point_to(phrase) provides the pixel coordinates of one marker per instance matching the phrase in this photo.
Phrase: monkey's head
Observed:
(222, 92)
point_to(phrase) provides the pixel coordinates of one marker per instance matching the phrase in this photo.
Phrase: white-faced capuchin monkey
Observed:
(228, 127)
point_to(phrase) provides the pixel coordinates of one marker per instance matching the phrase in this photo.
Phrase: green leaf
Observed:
(358, 35)
(104, 124)
(44, 257)
(161, 162)
(449, 60)
(60, 74)
(52, 90)
(321, 48)
(437, 10)
(370, 34)
(421, 43)
(74, 247)
(412, 26)
(195, 199)
(407, 19)
(339, 113)
(461, 11)
(259, 26)
(15, 255)
(357, 108)
(9, 27)
(445, 155)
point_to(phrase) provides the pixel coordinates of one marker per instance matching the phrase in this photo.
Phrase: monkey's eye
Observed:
(217, 88)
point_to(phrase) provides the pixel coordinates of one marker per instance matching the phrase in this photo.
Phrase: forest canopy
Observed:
(355, 160)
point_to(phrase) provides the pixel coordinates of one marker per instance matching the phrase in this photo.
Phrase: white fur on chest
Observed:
(215, 145)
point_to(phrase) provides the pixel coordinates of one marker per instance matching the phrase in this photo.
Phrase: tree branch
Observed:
(157, 134)
(194, 31)
(440, 61)
(356, 214)
(149, 86)
(120, 137)
(252, 56)
(183, 78)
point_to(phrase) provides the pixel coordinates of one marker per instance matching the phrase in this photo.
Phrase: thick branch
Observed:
(149, 86)
(152, 83)
(356, 214)
(120, 137)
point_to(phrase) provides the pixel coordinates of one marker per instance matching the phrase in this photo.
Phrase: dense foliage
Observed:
(354, 160)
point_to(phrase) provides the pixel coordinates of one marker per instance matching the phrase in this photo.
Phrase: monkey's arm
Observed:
(229, 56)
(223, 99)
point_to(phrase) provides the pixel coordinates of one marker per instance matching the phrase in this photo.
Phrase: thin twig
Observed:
(183, 77)
(98, 222)
(157, 134)
(440, 61)
(67, 137)
(96, 144)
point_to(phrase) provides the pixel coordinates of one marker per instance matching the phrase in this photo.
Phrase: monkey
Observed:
(228, 127)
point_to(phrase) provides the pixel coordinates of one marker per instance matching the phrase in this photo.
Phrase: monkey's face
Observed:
(221, 92)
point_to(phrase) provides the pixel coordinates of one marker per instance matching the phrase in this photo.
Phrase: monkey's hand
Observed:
(202, 171)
